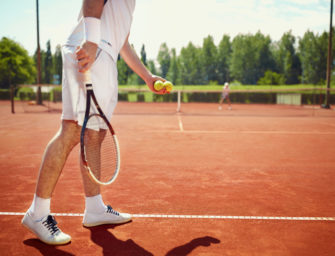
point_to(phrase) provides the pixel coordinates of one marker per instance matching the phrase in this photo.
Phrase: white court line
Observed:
(176, 216)
(249, 132)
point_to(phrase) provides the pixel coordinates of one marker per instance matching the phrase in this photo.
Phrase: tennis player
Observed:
(99, 36)
(225, 96)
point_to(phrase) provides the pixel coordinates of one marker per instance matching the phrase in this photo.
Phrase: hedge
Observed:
(55, 95)
(4, 94)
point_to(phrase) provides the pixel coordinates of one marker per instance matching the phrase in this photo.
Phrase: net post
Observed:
(179, 101)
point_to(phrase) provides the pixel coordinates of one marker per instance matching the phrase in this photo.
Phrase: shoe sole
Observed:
(88, 225)
(44, 241)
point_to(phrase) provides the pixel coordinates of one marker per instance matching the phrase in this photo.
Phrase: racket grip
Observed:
(87, 77)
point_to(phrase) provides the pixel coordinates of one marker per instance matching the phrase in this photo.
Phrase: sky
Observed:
(176, 22)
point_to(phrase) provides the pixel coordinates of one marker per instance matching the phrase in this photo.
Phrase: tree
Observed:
(48, 72)
(173, 74)
(16, 67)
(242, 65)
(58, 65)
(190, 66)
(164, 59)
(209, 60)
(224, 55)
(271, 78)
(251, 57)
(287, 60)
(310, 58)
(152, 67)
(42, 53)
(144, 56)
(322, 49)
(123, 71)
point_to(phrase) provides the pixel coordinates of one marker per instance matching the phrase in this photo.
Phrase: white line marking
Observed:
(181, 127)
(249, 132)
(176, 216)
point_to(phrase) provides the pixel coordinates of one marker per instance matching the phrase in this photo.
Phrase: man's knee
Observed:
(70, 133)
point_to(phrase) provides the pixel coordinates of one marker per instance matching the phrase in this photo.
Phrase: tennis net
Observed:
(186, 101)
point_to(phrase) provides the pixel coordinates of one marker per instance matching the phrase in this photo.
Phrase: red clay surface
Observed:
(256, 160)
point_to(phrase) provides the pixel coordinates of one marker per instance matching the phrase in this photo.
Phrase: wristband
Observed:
(92, 29)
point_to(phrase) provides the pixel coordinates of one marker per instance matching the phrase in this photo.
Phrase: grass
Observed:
(232, 87)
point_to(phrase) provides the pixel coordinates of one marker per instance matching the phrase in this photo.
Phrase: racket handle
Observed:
(87, 77)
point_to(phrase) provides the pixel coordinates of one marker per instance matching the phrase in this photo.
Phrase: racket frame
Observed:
(90, 95)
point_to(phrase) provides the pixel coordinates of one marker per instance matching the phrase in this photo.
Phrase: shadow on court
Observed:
(114, 246)
(111, 245)
(46, 249)
(186, 249)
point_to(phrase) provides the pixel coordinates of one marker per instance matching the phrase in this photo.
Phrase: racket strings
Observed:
(101, 150)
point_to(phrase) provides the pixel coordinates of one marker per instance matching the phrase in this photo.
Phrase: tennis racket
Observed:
(100, 153)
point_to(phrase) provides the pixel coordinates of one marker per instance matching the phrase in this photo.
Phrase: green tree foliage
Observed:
(58, 65)
(251, 57)
(246, 58)
(322, 47)
(173, 74)
(152, 67)
(190, 65)
(242, 64)
(224, 55)
(287, 60)
(164, 59)
(144, 56)
(48, 66)
(16, 66)
(123, 71)
(271, 78)
(42, 53)
(208, 58)
(309, 53)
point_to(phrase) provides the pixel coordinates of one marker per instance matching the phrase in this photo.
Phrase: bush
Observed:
(235, 82)
(56, 94)
(4, 94)
(26, 93)
(271, 78)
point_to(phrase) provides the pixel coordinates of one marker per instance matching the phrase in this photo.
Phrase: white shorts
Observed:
(104, 80)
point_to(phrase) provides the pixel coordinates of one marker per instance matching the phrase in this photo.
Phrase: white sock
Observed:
(94, 204)
(40, 207)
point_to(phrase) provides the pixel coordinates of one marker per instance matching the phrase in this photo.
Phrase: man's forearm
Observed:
(134, 62)
(93, 8)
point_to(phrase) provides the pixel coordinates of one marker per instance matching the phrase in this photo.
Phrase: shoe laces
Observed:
(112, 211)
(51, 224)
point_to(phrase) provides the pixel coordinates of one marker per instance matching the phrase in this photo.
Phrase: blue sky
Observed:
(175, 22)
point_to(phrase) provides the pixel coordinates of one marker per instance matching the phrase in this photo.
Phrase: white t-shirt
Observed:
(116, 19)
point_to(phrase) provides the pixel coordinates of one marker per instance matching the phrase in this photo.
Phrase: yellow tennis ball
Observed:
(158, 85)
(168, 85)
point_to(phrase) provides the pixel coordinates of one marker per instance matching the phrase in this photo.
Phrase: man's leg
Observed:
(38, 218)
(55, 156)
(93, 145)
(96, 212)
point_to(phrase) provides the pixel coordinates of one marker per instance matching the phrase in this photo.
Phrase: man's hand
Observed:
(86, 55)
(151, 81)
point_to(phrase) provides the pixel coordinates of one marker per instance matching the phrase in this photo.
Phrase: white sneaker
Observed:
(110, 216)
(46, 229)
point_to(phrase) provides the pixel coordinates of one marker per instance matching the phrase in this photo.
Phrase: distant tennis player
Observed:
(225, 96)
(100, 35)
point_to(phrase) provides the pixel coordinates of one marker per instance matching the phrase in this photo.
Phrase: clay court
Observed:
(256, 180)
